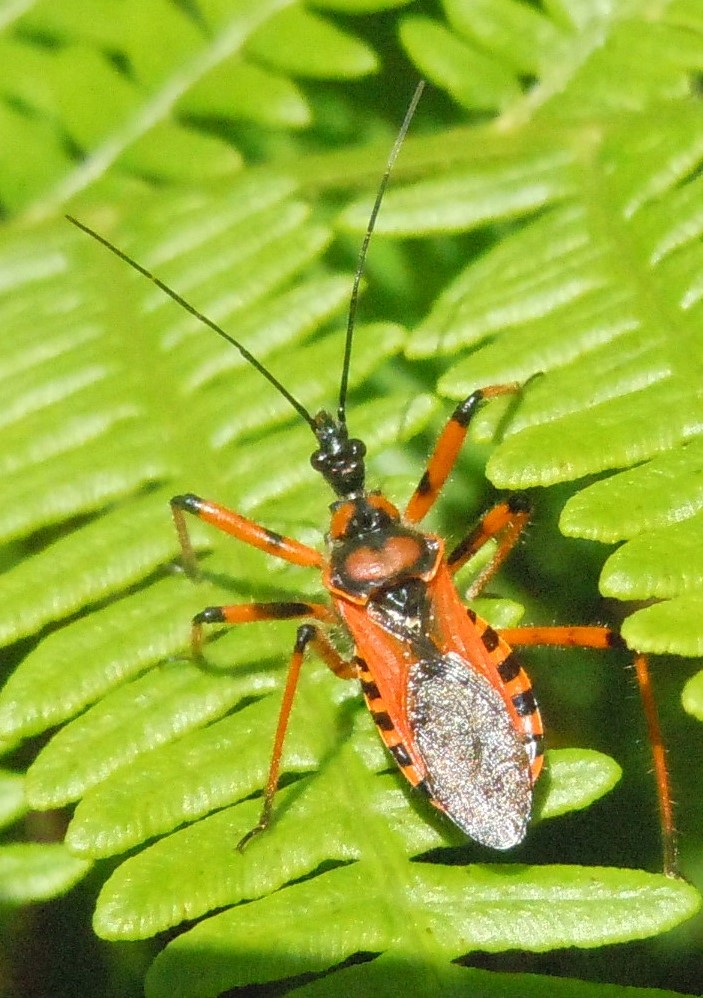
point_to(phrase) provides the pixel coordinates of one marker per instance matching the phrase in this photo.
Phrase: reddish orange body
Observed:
(448, 696)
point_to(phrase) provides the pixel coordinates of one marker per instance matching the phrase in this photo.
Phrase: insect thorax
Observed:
(372, 551)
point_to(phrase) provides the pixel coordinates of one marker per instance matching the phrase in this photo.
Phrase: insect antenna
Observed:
(299, 408)
(353, 302)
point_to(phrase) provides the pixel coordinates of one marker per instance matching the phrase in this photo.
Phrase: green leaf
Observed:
(234, 148)
(472, 78)
(455, 981)
(75, 666)
(560, 298)
(124, 530)
(12, 800)
(257, 94)
(667, 562)
(33, 871)
(523, 180)
(620, 507)
(521, 35)
(134, 904)
(298, 41)
(125, 117)
(441, 910)
(667, 627)
(575, 778)
(692, 696)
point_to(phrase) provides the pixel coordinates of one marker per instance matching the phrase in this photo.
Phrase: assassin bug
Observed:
(447, 693)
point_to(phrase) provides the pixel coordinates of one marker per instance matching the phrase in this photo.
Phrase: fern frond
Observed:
(564, 240)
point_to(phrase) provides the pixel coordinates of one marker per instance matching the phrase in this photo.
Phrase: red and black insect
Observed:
(447, 693)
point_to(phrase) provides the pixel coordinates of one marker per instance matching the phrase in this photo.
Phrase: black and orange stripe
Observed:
(515, 687)
(387, 729)
(446, 450)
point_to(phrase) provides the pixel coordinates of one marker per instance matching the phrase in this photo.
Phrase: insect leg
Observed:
(604, 637)
(308, 634)
(447, 448)
(248, 613)
(240, 527)
(505, 522)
